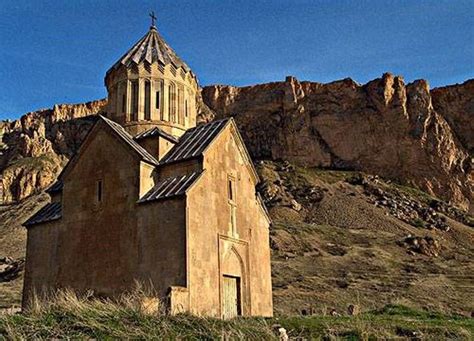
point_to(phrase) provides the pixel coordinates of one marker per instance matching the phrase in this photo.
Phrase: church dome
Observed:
(150, 86)
(152, 48)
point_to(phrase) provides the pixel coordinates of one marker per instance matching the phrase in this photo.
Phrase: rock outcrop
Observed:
(384, 127)
(456, 104)
(35, 148)
(402, 132)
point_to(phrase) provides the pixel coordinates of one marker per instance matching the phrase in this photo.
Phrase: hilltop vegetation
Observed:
(345, 238)
(69, 316)
(339, 238)
(399, 256)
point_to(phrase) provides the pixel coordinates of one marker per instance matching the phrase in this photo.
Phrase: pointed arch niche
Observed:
(233, 263)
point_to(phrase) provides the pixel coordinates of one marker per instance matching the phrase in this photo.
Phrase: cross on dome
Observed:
(153, 18)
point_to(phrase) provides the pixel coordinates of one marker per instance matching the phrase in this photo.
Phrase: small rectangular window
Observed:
(231, 190)
(147, 101)
(170, 101)
(99, 191)
(232, 205)
(157, 100)
(134, 100)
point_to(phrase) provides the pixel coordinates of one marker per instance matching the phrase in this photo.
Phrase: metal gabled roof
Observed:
(155, 131)
(150, 48)
(50, 212)
(171, 187)
(56, 187)
(194, 141)
(126, 137)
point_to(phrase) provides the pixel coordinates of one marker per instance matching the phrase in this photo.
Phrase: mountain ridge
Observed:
(384, 127)
(339, 237)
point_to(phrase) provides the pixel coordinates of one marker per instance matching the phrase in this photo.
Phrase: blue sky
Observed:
(58, 51)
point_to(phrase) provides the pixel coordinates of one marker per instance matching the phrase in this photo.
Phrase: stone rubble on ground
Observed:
(403, 207)
(427, 246)
(353, 310)
(10, 268)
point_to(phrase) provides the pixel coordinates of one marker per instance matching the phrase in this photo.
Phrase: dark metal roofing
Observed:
(50, 212)
(129, 140)
(154, 132)
(194, 141)
(150, 48)
(170, 187)
(56, 187)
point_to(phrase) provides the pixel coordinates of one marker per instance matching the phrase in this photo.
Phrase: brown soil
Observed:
(333, 249)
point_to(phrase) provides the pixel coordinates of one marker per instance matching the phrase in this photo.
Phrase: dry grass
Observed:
(66, 315)
(343, 250)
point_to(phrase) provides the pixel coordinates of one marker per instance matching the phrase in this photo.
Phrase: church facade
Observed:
(151, 197)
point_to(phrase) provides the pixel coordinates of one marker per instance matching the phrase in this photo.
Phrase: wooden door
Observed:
(231, 297)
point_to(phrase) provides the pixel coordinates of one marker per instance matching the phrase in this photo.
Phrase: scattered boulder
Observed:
(401, 206)
(281, 332)
(10, 268)
(353, 310)
(285, 166)
(295, 205)
(427, 246)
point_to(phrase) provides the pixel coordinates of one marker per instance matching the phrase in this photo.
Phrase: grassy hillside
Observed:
(71, 317)
(339, 239)
(343, 238)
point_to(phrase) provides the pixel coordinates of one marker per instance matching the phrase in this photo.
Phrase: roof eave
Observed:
(28, 225)
(176, 196)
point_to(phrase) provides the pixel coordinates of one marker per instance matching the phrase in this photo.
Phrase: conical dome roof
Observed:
(151, 48)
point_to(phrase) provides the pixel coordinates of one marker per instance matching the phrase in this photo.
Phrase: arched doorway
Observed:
(232, 284)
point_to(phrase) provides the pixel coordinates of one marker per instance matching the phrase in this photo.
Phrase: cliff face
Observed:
(383, 127)
(402, 132)
(456, 104)
(34, 148)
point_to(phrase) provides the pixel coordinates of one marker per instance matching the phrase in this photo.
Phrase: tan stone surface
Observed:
(248, 245)
(456, 104)
(383, 127)
(37, 146)
(178, 92)
(184, 242)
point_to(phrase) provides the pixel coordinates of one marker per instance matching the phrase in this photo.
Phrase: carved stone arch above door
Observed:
(232, 264)
(233, 256)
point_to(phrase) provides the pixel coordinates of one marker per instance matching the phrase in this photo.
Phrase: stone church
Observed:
(151, 197)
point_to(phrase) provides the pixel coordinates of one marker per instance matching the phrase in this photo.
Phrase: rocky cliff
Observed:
(338, 237)
(456, 104)
(34, 148)
(384, 127)
(400, 131)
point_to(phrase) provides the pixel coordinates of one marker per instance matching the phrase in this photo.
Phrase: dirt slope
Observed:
(336, 243)
(337, 240)
(384, 127)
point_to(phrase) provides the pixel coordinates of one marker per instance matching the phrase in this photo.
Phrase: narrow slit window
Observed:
(231, 190)
(157, 101)
(170, 97)
(123, 103)
(135, 100)
(147, 101)
(99, 191)
(232, 205)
